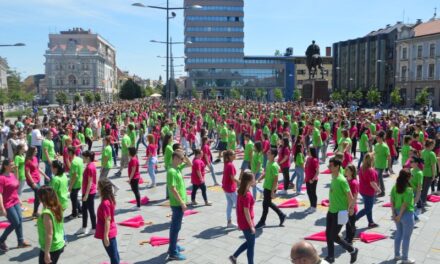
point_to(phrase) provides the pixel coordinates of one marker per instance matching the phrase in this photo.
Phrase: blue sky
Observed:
(269, 25)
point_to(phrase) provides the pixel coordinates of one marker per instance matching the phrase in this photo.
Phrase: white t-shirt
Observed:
(36, 135)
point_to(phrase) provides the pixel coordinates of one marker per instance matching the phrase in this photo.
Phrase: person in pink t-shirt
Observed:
(350, 227)
(134, 176)
(245, 217)
(312, 171)
(67, 160)
(198, 178)
(346, 153)
(207, 158)
(88, 192)
(32, 174)
(284, 161)
(229, 184)
(152, 159)
(106, 227)
(10, 205)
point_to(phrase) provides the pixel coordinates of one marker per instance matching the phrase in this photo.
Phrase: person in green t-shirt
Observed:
(177, 194)
(363, 145)
(168, 151)
(416, 180)
(248, 151)
(341, 205)
(269, 189)
(382, 159)
(223, 144)
(406, 149)
(75, 184)
(402, 205)
(298, 173)
(51, 218)
(19, 167)
(274, 139)
(106, 161)
(429, 169)
(88, 132)
(232, 138)
(126, 142)
(48, 149)
(132, 135)
(257, 166)
(59, 183)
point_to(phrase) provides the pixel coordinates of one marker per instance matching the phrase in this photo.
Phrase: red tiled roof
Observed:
(428, 28)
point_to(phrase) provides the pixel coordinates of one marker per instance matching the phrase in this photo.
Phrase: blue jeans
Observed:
(249, 245)
(402, 237)
(368, 208)
(255, 188)
(112, 251)
(39, 153)
(151, 169)
(211, 169)
(264, 161)
(380, 178)
(176, 224)
(231, 199)
(14, 217)
(318, 151)
(299, 178)
(361, 158)
(48, 171)
(140, 140)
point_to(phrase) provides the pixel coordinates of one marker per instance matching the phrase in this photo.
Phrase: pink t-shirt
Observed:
(245, 201)
(134, 162)
(354, 188)
(9, 190)
(89, 175)
(66, 158)
(347, 159)
(32, 167)
(77, 144)
(266, 146)
(390, 142)
(105, 209)
(311, 167)
(198, 165)
(365, 178)
(284, 152)
(152, 150)
(207, 151)
(228, 184)
(259, 135)
(353, 132)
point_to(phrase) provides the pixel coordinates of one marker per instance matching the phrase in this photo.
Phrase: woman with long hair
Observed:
(350, 227)
(88, 193)
(311, 179)
(257, 166)
(368, 188)
(245, 217)
(134, 176)
(60, 183)
(402, 205)
(167, 150)
(284, 162)
(299, 168)
(229, 184)
(152, 159)
(50, 226)
(19, 166)
(32, 173)
(10, 205)
(106, 227)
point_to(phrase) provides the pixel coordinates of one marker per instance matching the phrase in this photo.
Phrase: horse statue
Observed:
(314, 60)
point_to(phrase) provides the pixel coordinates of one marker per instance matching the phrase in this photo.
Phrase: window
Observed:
(431, 71)
(419, 72)
(300, 82)
(419, 51)
(301, 72)
(214, 50)
(214, 18)
(85, 80)
(432, 50)
(214, 29)
(403, 73)
(72, 80)
(85, 66)
(214, 39)
(404, 53)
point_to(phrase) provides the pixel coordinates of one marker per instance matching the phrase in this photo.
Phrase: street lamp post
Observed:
(13, 45)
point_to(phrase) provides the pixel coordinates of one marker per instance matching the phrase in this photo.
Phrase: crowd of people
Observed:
(276, 139)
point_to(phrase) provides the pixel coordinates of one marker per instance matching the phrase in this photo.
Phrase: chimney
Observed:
(419, 21)
(328, 51)
(388, 26)
(399, 22)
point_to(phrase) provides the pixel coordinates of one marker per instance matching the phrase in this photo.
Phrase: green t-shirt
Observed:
(257, 162)
(49, 146)
(274, 139)
(88, 132)
(299, 160)
(175, 179)
(421, 137)
(165, 130)
(107, 153)
(396, 134)
(430, 159)
(406, 197)
(405, 153)
(416, 178)
(363, 143)
(81, 138)
(77, 167)
(224, 134)
(327, 126)
(317, 140)
(248, 150)
(266, 130)
(168, 156)
(126, 143)
(58, 232)
(132, 137)
(232, 140)
(381, 153)
(19, 162)
(272, 170)
(61, 187)
(338, 194)
(294, 128)
(373, 129)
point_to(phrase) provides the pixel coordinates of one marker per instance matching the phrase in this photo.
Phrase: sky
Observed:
(269, 25)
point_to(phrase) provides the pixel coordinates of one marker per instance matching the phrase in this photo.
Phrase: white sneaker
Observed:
(282, 192)
(232, 225)
(312, 210)
(91, 232)
(82, 231)
(135, 208)
(408, 261)
(299, 193)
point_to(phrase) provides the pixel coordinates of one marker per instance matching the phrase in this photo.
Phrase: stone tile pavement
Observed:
(206, 239)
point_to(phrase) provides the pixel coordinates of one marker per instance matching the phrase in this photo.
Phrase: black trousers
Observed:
(286, 178)
(267, 203)
(202, 187)
(353, 146)
(311, 193)
(74, 201)
(350, 229)
(134, 183)
(89, 143)
(54, 256)
(88, 207)
(332, 234)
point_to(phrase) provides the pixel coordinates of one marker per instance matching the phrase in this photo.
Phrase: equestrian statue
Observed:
(314, 60)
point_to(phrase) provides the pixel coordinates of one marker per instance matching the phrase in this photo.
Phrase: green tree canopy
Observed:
(88, 97)
(373, 96)
(296, 95)
(76, 98)
(61, 98)
(130, 90)
(396, 98)
(97, 97)
(357, 96)
(278, 94)
(336, 96)
(235, 93)
(422, 97)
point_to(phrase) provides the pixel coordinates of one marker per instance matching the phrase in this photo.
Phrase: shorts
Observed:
(222, 146)
(124, 161)
(245, 165)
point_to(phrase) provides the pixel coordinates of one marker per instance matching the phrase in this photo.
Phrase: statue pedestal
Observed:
(315, 90)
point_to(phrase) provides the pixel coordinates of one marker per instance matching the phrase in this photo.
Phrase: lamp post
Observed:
(13, 45)
(167, 9)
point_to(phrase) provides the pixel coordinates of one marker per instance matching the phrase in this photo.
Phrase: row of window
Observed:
(215, 18)
(214, 60)
(214, 39)
(256, 73)
(262, 61)
(72, 66)
(214, 50)
(419, 52)
(71, 80)
(214, 29)
(222, 8)
(419, 72)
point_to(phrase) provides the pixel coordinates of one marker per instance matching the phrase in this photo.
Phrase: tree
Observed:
(396, 98)
(3, 97)
(61, 98)
(260, 93)
(336, 96)
(296, 95)
(422, 97)
(277, 53)
(88, 97)
(97, 97)
(278, 94)
(194, 93)
(373, 96)
(235, 93)
(76, 98)
(213, 94)
(130, 90)
(357, 96)
(149, 91)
